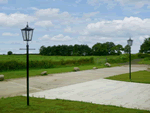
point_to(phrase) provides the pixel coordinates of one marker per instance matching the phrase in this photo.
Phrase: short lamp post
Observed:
(27, 34)
(130, 44)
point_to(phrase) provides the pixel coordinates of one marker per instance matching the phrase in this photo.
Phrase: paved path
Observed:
(103, 91)
(15, 87)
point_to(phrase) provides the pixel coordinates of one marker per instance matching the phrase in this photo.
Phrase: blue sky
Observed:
(70, 22)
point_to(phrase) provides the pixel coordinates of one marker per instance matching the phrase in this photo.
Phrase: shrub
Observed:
(122, 58)
(9, 53)
(141, 55)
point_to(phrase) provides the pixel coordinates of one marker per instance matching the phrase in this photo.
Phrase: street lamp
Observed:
(130, 44)
(27, 34)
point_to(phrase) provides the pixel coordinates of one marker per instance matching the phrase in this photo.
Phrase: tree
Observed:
(96, 49)
(43, 50)
(126, 49)
(85, 50)
(9, 53)
(104, 50)
(145, 47)
(76, 50)
(118, 48)
(109, 46)
(70, 50)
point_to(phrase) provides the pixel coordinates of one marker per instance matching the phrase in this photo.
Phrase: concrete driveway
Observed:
(103, 91)
(15, 87)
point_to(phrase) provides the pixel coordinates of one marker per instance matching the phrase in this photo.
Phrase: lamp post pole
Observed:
(27, 74)
(130, 44)
(130, 63)
(27, 34)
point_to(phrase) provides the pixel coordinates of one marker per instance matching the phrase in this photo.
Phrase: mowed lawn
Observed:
(138, 77)
(40, 105)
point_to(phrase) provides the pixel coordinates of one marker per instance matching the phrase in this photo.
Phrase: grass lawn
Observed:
(40, 105)
(35, 72)
(139, 77)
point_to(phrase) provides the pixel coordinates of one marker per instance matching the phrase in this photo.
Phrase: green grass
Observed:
(35, 72)
(144, 62)
(40, 105)
(22, 58)
(138, 77)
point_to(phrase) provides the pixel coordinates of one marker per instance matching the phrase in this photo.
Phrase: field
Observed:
(22, 58)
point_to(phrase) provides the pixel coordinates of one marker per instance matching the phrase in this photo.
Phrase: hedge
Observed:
(16, 65)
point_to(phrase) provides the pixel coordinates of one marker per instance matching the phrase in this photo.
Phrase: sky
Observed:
(69, 22)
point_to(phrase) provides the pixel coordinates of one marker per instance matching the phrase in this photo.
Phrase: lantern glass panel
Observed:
(23, 35)
(130, 42)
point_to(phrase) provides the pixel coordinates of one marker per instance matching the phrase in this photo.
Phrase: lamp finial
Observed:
(27, 24)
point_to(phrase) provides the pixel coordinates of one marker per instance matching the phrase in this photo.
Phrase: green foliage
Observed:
(118, 48)
(99, 49)
(122, 58)
(126, 49)
(141, 55)
(16, 65)
(145, 47)
(9, 53)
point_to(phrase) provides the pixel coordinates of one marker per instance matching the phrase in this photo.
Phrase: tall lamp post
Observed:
(130, 44)
(27, 34)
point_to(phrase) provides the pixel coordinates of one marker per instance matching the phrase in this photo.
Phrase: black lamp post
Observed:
(27, 34)
(130, 44)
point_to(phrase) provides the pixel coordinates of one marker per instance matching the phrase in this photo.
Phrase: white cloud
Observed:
(10, 34)
(59, 37)
(69, 30)
(112, 3)
(13, 42)
(136, 3)
(88, 15)
(142, 38)
(94, 2)
(78, 1)
(55, 16)
(51, 13)
(118, 28)
(117, 31)
(62, 18)
(34, 8)
(16, 19)
(3, 1)
(47, 23)
(48, 12)
(93, 39)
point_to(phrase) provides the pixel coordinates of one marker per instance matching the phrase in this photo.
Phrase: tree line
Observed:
(98, 49)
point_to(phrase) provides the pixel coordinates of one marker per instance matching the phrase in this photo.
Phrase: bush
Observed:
(141, 55)
(9, 53)
(122, 58)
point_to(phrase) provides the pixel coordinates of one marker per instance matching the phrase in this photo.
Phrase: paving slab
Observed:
(15, 87)
(103, 91)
